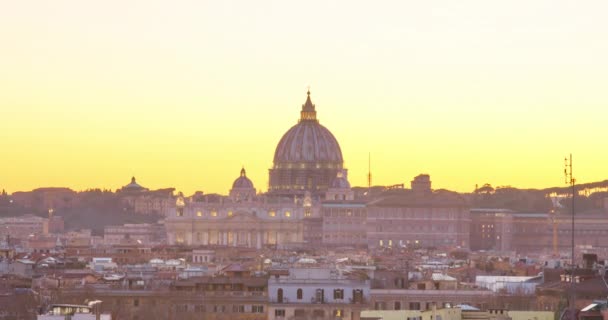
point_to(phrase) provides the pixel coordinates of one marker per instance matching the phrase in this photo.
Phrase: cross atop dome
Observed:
(308, 109)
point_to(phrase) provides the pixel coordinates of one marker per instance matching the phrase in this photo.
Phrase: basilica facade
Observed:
(307, 168)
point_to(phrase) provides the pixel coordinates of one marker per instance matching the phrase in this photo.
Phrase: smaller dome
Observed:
(242, 181)
(133, 186)
(340, 181)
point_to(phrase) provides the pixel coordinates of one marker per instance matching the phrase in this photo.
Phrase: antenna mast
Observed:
(569, 179)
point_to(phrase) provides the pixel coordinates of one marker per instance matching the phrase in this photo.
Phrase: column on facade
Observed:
(225, 238)
(206, 237)
(259, 240)
(235, 238)
(171, 238)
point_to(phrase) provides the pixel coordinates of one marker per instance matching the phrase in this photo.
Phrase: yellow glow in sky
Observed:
(182, 94)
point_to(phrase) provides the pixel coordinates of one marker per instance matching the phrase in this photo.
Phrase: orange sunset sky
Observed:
(183, 93)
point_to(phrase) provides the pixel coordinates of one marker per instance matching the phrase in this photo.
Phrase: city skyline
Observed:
(184, 96)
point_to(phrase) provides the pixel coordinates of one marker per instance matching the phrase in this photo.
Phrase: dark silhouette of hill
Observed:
(95, 209)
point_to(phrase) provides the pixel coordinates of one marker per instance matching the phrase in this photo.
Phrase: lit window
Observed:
(214, 213)
(230, 213)
(287, 214)
(272, 213)
(199, 214)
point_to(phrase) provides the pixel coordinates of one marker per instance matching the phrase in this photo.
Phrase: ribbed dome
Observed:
(307, 157)
(242, 181)
(308, 141)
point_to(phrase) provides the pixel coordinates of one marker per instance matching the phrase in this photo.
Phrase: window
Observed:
(414, 305)
(400, 282)
(214, 213)
(230, 213)
(238, 308)
(280, 295)
(320, 296)
(272, 213)
(338, 313)
(257, 309)
(199, 214)
(299, 313)
(318, 313)
(397, 305)
(338, 294)
(299, 294)
(279, 312)
(287, 214)
(135, 302)
(199, 308)
(180, 212)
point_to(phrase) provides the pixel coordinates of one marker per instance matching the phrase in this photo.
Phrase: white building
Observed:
(74, 312)
(307, 293)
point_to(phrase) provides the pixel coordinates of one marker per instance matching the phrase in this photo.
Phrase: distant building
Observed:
(143, 233)
(141, 200)
(43, 199)
(491, 229)
(23, 227)
(419, 217)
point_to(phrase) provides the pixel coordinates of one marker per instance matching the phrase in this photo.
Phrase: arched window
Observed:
(299, 293)
(280, 295)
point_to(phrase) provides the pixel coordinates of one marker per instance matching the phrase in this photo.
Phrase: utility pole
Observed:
(571, 181)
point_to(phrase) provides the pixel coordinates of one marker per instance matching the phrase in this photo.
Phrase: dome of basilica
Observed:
(308, 141)
(307, 157)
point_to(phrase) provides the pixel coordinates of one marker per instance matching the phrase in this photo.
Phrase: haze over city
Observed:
(311, 160)
(184, 95)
